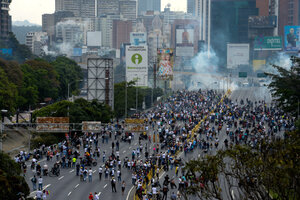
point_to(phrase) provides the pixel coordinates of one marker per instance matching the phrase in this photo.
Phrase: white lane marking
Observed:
(124, 151)
(162, 175)
(232, 194)
(61, 177)
(129, 147)
(69, 193)
(94, 171)
(71, 171)
(105, 186)
(99, 193)
(44, 188)
(127, 198)
(135, 143)
(102, 165)
(76, 185)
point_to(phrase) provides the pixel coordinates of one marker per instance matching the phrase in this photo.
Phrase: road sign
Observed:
(243, 74)
(261, 75)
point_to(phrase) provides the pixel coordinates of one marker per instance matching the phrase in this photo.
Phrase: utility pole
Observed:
(125, 97)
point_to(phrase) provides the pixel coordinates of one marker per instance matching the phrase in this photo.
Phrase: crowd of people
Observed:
(167, 132)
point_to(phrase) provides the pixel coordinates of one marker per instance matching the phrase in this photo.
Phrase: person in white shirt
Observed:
(40, 181)
(90, 174)
(39, 195)
(100, 172)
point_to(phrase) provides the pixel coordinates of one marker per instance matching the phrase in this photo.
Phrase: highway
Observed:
(69, 186)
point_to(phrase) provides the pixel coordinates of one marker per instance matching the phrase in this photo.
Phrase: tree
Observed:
(285, 86)
(68, 71)
(12, 183)
(42, 75)
(8, 93)
(80, 110)
(245, 173)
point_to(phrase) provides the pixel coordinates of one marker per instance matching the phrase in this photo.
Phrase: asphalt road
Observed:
(68, 185)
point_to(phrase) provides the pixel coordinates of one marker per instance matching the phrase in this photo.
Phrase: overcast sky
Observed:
(32, 10)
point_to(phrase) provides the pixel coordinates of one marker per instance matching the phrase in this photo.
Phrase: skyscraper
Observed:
(191, 7)
(5, 19)
(229, 24)
(107, 7)
(148, 5)
(80, 8)
(128, 10)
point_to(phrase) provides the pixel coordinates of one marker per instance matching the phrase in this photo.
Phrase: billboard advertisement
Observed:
(268, 43)
(94, 39)
(137, 64)
(185, 41)
(52, 124)
(77, 52)
(6, 51)
(291, 38)
(237, 54)
(165, 63)
(138, 38)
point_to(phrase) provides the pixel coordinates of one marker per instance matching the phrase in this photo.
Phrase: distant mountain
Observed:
(21, 31)
(23, 23)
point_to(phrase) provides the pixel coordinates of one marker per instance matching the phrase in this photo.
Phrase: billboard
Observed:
(52, 124)
(268, 43)
(291, 38)
(185, 41)
(94, 39)
(237, 54)
(138, 38)
(6, 51)
(137, 64)
(77, 52)
(94, 127)
(165, 63)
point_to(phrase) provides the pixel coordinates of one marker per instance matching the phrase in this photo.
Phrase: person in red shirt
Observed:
(91, 197)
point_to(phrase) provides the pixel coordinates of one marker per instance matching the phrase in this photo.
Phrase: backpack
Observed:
(33, 180)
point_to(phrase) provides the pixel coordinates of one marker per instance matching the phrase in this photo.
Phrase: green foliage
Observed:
(8, 93)
(285, 86)
(144, 94)
(10, 180)
(46, 138)
(68, 71)
(80, 110)
(252, 173)
(20, 51)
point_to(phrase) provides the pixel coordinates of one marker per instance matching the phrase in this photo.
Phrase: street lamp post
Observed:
(2, 128)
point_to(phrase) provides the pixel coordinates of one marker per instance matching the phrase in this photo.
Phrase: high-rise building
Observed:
(5, 19)
(203, 12)
(105, 25)
(36, 41)
(107, 7)
(229, 24)
(49, 22)
(121, 32)
(289, 14)
(148, 5)
(80, 8)
(128, 9)
(191, 7)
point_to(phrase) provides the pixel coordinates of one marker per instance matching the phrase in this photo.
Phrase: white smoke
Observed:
(207, 76)
(282, 60)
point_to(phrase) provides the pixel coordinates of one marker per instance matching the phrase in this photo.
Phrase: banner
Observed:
(52, 124)
(137, 65)
(94, 127)
(165, 63)
(268, 43)
(258, 64)
(291, 38)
